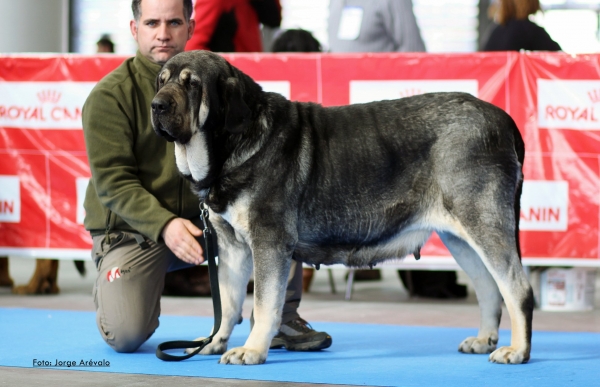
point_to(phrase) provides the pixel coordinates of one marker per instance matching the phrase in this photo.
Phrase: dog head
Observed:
(193, 86)
(201, 101)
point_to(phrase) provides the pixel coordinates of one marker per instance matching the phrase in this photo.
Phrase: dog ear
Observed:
(237, 113)
(159, 79)
(157, 82)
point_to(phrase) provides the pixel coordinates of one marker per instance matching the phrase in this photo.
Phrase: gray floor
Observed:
(383, 302)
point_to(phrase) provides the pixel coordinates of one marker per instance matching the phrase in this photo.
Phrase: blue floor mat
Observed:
(361, 354)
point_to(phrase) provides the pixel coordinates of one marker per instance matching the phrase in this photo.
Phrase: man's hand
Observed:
(180, 237)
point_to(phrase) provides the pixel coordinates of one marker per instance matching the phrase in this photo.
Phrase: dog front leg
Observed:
(235, 267)
(271, 269)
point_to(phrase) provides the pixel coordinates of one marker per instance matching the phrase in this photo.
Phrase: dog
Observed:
(353, 184)
(44, 279)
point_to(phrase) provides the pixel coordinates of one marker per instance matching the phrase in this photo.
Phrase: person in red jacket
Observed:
(232, 25)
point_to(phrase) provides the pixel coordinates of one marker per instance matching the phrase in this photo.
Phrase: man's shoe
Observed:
(298, 335)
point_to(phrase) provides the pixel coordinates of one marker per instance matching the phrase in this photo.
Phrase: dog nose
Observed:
(159, 105)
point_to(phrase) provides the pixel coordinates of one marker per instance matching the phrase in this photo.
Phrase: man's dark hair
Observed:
(296, 40)
(107, 42)
(187, 9)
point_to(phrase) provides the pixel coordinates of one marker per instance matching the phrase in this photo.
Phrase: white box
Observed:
(567, 289)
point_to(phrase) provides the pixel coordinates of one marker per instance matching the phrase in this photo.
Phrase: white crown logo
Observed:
(51, 96)
(594, 95)
(410, 92)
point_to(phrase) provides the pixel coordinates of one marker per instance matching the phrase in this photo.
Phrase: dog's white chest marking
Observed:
(192, 158)
(237, 216)
(181, 159)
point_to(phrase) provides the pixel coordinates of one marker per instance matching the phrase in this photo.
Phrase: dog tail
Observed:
(520, 150)
(80, 266)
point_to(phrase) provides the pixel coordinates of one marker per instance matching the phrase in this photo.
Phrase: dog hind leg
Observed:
(499, 254)
(488, 295)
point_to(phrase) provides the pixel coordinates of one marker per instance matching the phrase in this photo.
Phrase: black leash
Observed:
(211, 249)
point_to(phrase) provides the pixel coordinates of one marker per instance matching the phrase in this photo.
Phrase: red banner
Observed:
(552, 97)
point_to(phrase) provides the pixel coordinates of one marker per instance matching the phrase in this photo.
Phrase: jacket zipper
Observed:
(180, 204)
(107, 239)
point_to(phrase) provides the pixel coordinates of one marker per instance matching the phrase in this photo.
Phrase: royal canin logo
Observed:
(49, 96)
(569, 104)
(43, 105)
(113, 274)
(10, 199)
(362, 91)
(594, 95)
(410, 92)
(544, 206)
(575, 113)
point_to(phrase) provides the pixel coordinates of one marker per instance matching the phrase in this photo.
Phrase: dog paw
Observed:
(44, 288)
(244, 356)
(216, 347)
(509, 355)
(477, 345)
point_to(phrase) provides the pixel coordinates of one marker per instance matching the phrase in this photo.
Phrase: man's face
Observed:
(162, 31)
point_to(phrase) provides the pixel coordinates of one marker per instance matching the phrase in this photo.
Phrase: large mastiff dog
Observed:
(352, 184)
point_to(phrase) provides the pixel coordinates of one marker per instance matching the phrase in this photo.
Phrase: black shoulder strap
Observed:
(211, 251)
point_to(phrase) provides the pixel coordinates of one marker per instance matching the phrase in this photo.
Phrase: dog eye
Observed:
(194, 83)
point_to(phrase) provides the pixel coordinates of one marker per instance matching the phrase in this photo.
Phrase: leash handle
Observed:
(180, 344)
(211, 252)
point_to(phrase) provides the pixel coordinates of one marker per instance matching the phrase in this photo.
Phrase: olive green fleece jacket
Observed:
(135, 184)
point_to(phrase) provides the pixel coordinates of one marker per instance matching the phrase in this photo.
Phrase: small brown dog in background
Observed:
(44, 279)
